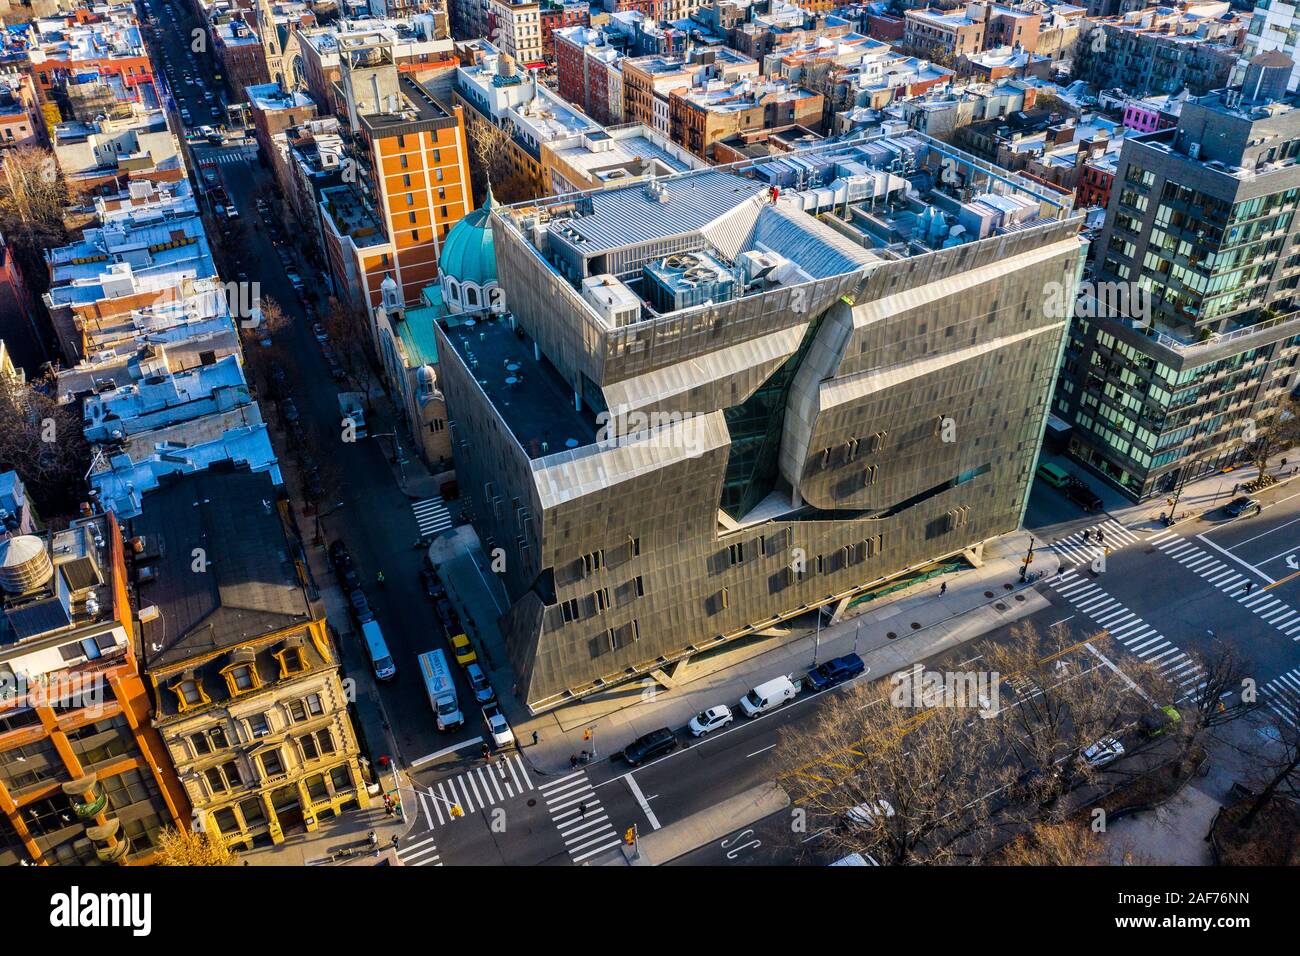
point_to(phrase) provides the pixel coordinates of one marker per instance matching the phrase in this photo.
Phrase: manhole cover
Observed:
(1020, 597)
(988, 593)
(915, 626)
(1000, 606)
(891, 635)
(532, 803)
(1008, 587)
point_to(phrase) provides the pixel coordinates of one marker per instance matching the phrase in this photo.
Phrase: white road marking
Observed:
(1247, 566)
(640, 798)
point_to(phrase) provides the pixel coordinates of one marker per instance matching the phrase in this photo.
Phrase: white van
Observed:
(380, 659)
(768, 696)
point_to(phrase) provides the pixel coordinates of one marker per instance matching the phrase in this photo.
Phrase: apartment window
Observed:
(442, 192)
(437, 155)
(406, 180)
(272, 764)
(410, 216)
(223, 778)
(241, 679)
(639, 586)
(309, 749)
(403, 162)
(634, 547)
(401, 141)
(593, 561)
(569, 610)
(736, 553)
(437, 174)
(200, 745)
(291, 661)
(415, 235)
(254, 812)
(325, 741)
(258, 725)
(189, 692)
(410, 199)
(340, 779)
(602, 599)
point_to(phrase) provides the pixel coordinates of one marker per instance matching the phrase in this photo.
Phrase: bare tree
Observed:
(491, 148)
(1069, 843)
(33, 197)
(188, 848)
(44, 442)
(351, 344)
(1279, 431)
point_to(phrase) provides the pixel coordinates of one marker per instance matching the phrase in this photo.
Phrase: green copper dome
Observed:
(467, 252)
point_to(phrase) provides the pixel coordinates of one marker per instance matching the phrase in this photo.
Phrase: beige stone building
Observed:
(246, 685)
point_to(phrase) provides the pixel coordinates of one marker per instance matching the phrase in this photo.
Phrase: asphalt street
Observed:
(365, 506)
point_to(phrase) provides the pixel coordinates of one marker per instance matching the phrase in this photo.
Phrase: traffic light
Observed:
(456, 811)
(629, 835)
(586, 734)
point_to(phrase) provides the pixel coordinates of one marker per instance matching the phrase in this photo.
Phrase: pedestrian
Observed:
(1101, 536)
(943, 589)
(1250, 586)
(535, 738)
(573, 761)
(486, 752)
(1087, 534)
(582, 810)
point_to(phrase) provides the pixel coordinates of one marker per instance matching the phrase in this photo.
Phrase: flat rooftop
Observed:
(534, 401)
(813, 213)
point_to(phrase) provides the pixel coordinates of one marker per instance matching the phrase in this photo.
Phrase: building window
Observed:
(410, 199)
(200, 745)
(406, 180)
(403, 161)
(189, 693)
(401, 141)
(258, 726)
(415, 235)
(291, 661)
(410, 217)
(241, 678)
(224, 778)
(271, 763)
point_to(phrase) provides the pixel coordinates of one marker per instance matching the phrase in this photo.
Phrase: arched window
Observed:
(471, 296)
(453, 290)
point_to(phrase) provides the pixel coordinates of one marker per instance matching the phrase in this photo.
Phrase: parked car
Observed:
(707, 721)
(1078, 491)
(336, 372)
(313, 488)
(650, 746)
(338, 551)
(1242, 507)
(447, 616)
(478, 682)
(768, 696)
(462, 649)
(360, 606)
(1105, 751)
(835, 671)
(497, 726)
(432, 586)
(318, 330)
(289, 411)
(866, 814)
(348, 577)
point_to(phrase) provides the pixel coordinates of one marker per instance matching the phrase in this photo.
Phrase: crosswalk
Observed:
(420, 853)
(1231, 580)
(1129, 630)
(431, 515)
(228, 158)
(1087, 544)
(1282, 696)
(476, 789)
(576, 811)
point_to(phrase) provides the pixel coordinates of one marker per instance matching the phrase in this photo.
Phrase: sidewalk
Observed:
(1197, 497)
(889, 633)
(344, 837)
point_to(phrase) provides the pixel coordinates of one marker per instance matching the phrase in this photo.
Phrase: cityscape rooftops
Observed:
(66, 587)
(351, 217)
(531, 397)
(270, 97)
(251, 585)
(624, 153)
(759, 218)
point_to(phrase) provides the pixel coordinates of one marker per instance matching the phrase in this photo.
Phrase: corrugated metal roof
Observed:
(628, 217)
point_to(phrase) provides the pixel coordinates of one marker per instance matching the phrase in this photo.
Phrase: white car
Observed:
(1105, 751)
(497, 726)
(866, 814)
(715, 718)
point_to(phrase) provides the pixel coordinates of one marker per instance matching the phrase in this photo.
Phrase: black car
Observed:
(1082, 495)
(289, 411)
(349, 580)
(338, 552)
(448, 616)
(360, 606)
(1241, 507)
(432, 586)
(655, 744)
(835, 671)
